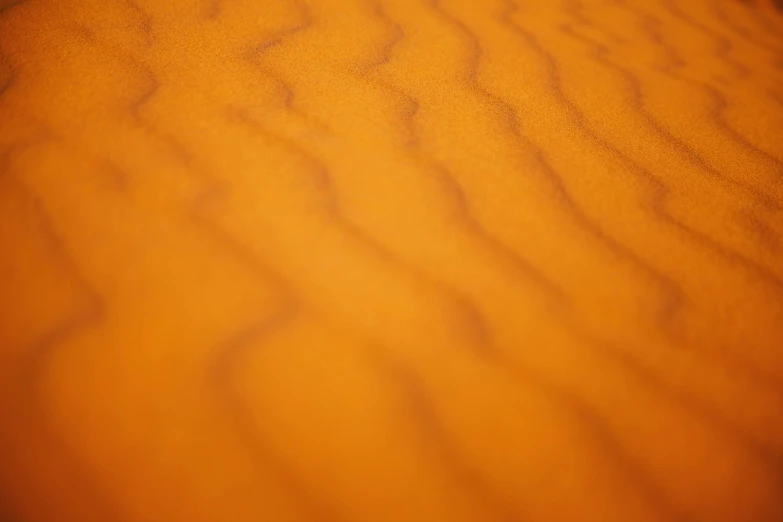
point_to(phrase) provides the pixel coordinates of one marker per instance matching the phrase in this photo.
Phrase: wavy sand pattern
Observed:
(391, 260)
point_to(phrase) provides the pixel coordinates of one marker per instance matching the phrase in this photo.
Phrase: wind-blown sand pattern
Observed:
(391, 261)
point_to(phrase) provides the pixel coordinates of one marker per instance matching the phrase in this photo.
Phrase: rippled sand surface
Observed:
(391, 261)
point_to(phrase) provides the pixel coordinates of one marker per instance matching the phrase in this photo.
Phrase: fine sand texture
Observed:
(391, 261)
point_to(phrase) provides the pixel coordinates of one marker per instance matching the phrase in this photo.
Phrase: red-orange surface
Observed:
(391, 260)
